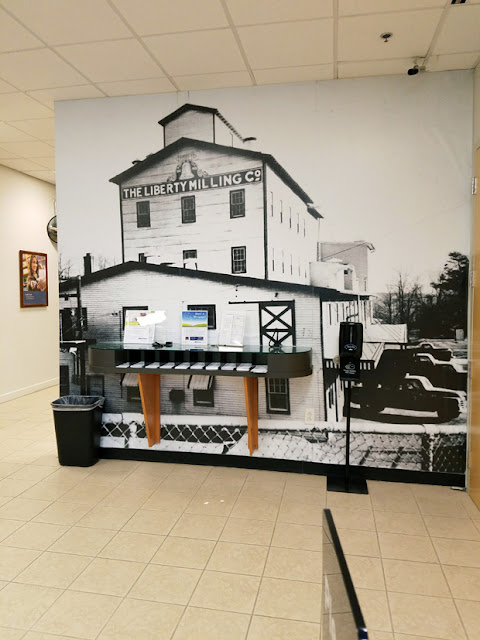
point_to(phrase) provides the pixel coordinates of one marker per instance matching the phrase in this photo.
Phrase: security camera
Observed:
(413, 70)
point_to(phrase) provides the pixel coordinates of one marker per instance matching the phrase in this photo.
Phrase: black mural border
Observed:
(290, 466)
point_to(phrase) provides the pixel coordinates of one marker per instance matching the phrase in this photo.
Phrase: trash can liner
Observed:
(77, 429)
(77, 403)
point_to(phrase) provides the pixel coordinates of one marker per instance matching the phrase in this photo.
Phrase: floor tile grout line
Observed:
(93, 558)
(211, 553)
(422, 515)
(237, 498)
(168, 533)
(383, 569)
(122, 598)
(48, 549)
(264, 567)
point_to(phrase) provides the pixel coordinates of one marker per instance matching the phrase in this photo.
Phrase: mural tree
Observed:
(430, 315)
(451, 290)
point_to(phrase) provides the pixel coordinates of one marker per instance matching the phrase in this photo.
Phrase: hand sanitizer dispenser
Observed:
(350, 350)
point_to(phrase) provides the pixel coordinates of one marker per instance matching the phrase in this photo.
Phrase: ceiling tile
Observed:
(137, 87)
(47, 176)
(11, 134)
(214, 81)
(359, 37)
(374, 68)
(460, 31)
(49, 96)
(6, 154)
(111, 61)
(68, 21)
(22, 164)
(294, 74)
(200, 52)
(288, 44)
(31, 149)
(37, 69)
(42, 128)
(164, 16)
(18, 106)
(356, 7)
(6, 88)
(453, 61)
(48, 163)
(13, 36)
(262, 11)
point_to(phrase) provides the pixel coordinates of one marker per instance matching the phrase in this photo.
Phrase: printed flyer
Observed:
(194, 329)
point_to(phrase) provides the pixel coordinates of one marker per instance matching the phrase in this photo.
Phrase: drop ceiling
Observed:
(69, 49)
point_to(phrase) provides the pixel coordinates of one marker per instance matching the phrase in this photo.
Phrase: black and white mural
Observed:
(339, 220)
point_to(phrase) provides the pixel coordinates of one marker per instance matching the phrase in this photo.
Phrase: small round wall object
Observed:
(52, 229)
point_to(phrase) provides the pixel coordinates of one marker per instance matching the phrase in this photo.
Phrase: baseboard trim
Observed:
(291, 466)
(25, 391)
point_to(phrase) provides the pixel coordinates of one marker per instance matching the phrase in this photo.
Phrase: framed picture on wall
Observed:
(33, 279)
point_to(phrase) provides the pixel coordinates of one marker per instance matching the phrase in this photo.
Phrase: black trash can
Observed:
(77, 427)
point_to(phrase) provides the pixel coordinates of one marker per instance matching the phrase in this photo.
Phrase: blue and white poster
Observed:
(194, 328)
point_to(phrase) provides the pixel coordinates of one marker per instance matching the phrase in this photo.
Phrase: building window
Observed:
(290, 219)
(129, 382)
(71, 326)
(188, 209)
(273, 259)
(203, 398)
(281, 211)
(304, 231)
(133, 394)
(237, 203)
(283, 261)
(331, 397)
(291, 265)
(298, 223)
(202, 386)
(212, 314)
(189, 253)
(143, 213)
(239, 259)
(271, 203)
(278, 396)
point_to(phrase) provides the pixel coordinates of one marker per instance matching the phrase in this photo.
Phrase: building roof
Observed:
(324, 293)
(196, 107)
(387, 333)
(174, 148)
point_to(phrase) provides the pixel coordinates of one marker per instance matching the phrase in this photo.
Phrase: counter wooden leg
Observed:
(251, 401)
(149, 384)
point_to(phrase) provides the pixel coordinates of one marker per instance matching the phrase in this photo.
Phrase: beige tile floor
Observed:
(149, 551)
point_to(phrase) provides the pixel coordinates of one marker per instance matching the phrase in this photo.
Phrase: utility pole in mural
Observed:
(210, 223)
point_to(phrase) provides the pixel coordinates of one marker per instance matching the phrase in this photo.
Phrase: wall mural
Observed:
(208, 222)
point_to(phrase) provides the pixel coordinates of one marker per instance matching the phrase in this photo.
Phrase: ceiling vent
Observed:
(458, 1)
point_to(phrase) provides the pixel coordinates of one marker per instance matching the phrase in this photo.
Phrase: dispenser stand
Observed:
(345, 483)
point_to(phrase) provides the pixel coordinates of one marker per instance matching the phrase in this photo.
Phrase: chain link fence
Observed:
(420, 448)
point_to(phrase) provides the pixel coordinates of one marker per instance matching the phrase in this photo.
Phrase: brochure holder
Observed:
(232, 330)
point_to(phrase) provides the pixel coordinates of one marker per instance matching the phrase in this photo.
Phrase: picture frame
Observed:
(33, 279)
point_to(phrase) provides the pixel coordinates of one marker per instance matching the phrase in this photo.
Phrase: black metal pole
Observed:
(348, 395)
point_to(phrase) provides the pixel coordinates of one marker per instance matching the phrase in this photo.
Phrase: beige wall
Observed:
(28, 337)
